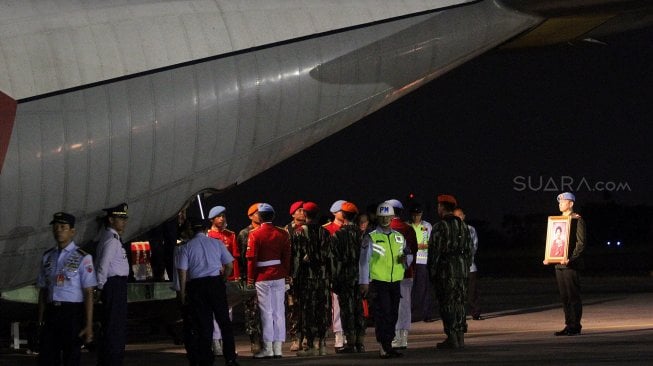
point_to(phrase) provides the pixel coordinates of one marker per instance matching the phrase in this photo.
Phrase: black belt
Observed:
(64, 303)
(205, 278)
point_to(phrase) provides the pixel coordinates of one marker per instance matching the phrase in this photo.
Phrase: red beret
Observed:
(310, 206)
(296, 206)
(447, 198)
(349, 207)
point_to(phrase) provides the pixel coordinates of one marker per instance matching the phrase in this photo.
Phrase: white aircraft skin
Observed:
(150, 102)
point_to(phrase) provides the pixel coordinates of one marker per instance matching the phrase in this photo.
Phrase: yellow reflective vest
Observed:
(385, 262)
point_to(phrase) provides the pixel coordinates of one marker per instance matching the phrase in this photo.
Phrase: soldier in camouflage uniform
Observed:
(296, 229)
(311, 277)
(449, 259)
(252, 315)
(346, 252)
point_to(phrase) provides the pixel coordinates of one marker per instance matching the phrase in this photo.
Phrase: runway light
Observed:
(618, 243)
(608, 243)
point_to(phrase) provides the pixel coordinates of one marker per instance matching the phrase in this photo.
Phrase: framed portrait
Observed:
(557, 238)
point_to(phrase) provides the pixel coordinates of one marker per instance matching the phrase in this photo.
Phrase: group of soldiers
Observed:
(305, 278)
(301, 280)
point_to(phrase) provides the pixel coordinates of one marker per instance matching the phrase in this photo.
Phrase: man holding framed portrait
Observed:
(564, 246)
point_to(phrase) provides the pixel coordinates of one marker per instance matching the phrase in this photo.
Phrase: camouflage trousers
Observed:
(292, 312)
(351, 311)
(253, 319)
(452, 297)
(314, 308)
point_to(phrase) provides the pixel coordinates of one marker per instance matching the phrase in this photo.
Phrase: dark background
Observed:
(502, 133)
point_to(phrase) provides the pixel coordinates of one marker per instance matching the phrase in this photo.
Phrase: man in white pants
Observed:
(268, 268)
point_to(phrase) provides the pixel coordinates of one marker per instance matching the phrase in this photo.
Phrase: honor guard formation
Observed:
(299, 283)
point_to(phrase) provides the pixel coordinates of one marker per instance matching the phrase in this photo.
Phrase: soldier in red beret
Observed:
(296, 226)
(449, 259)
(312, 278)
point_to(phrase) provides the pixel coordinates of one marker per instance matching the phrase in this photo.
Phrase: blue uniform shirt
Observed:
(203, 257)
(65, 273)
(111, 259)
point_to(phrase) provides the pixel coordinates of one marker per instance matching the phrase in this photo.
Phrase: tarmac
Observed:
(520, 318)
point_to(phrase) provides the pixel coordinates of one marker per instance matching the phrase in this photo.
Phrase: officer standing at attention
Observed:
(218, 219)
(346, 249)
(296, 229)
(65, 281)
(449, 259)
(423, 295)
(202, 265)
(382, 265)
(112, 271)
(252, 315)
(567, 271)
(268, 267)
(405, 314)
(336, 323)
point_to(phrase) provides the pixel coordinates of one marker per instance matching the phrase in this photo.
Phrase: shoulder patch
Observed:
(82, 252)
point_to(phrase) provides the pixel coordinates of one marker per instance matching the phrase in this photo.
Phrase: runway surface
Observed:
(521, 316)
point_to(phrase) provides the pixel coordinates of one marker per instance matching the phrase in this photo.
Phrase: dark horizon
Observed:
(573, 116)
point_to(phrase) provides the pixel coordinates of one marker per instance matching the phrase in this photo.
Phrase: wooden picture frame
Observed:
(557, 239)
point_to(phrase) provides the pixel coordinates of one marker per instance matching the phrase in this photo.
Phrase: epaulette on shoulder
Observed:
(48, 251)
(115, 236)
(228, 231)
(82, 252)
(575, 216)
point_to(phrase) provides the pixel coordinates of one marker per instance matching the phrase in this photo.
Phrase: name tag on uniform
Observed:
(422, 256)
(60, 279)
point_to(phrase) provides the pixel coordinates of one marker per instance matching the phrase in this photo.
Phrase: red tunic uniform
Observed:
(411, 240)
(268, 253)
(331, 227)
(228, 237)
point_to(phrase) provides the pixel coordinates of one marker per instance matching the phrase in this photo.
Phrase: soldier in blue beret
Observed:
(65, 311)
(567, 271)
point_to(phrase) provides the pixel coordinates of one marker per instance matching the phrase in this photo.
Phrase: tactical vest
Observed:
(384, 263)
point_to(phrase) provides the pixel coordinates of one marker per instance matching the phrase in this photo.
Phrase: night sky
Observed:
(489, 132)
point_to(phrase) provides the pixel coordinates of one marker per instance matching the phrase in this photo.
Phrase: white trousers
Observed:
(270, 296)
(335, 321)
(404, 319)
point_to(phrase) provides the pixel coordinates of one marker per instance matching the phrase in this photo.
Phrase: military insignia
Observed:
(89, 269)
